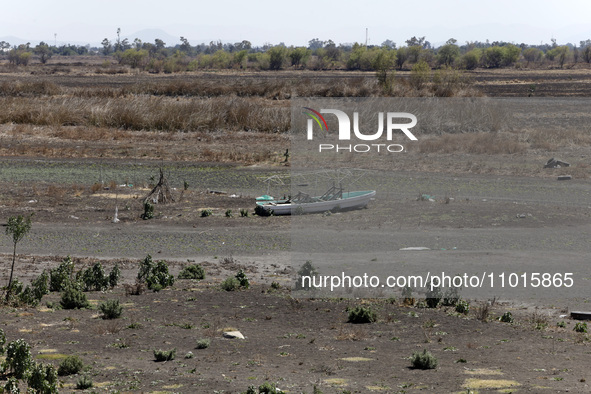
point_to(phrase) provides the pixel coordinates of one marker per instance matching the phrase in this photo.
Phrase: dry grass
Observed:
(477, 143)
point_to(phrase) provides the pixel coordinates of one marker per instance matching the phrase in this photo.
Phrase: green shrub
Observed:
(261, 211)
(155, 275)
(93, 278)
(61, 276)
(203, 343)
(194, 271)
(164, 355)
(18, 358)
(43, 379)
(230, 284)
(73, 298)
(2, 342)
(229, 213)
(362, 315)
(580, 327)
(242, 279)
(40, 285)
(269, 388)
(148, 211)
(70, 365)
(111, 309)
(306, 270)
(507, 317)
(244, 213)
(424, 360)
(463, 306)
(206, 212)
(11, 386)
(561, 324)
(114, 276)
(84, 383)
(451, 296)
(433, 297)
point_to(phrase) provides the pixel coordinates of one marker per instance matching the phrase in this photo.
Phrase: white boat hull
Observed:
(352, 200)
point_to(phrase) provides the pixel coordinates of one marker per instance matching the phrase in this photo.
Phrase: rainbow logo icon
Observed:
(317, 117)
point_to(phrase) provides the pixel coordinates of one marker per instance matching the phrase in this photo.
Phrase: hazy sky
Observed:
(296, 22)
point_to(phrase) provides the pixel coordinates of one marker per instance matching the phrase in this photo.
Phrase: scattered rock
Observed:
(554, 163)
(565, 177)
(521, 215)
(233, 335)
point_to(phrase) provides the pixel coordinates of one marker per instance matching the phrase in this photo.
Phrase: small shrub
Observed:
(164, 355)
(2, 342)
(93, 278)
(433, 297)
(43, 379)
(507, 317)
(244, 213)
(230, 284)
(482, 312)
(424, 360)
(306, 270)
(243, 279)
(70, 365)
(189, 355)
(261, 211)
(61, 276)
(155, 275)
(11, 386)
(275, 285)
(229, 213)
(451, 297)
(84, 383)
(18, 358)
(206, 212)
(407, 298)
(269, 388)
(111, 309)
(40, 285)
(362, 315)
(580, 327)
(463, 306)
(561, 324)
(114, 276)
(148, 211)
(203, 343)
(73, 298)
(194, 271)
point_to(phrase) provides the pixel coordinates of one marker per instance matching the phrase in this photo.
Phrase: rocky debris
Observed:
(554, 163)
(233, 335)
(565, 177)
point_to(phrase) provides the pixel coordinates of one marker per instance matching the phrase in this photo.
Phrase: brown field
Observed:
(77, 141)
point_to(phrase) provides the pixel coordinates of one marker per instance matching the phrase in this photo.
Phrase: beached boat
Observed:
(333, 200)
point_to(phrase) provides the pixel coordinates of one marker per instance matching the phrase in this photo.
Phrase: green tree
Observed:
(493, 57)
(401, 57)
(447, 54)
(43, 51)
(276, 57)
(107, 47)
(510, 54)
(134, 57)
(532, 55)
(419, 74)
(17, 227)
(299, 56)
(471, 59)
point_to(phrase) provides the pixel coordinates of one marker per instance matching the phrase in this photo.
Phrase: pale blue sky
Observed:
(296, 22)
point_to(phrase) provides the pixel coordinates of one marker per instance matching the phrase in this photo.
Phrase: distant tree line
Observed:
(318, 55)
